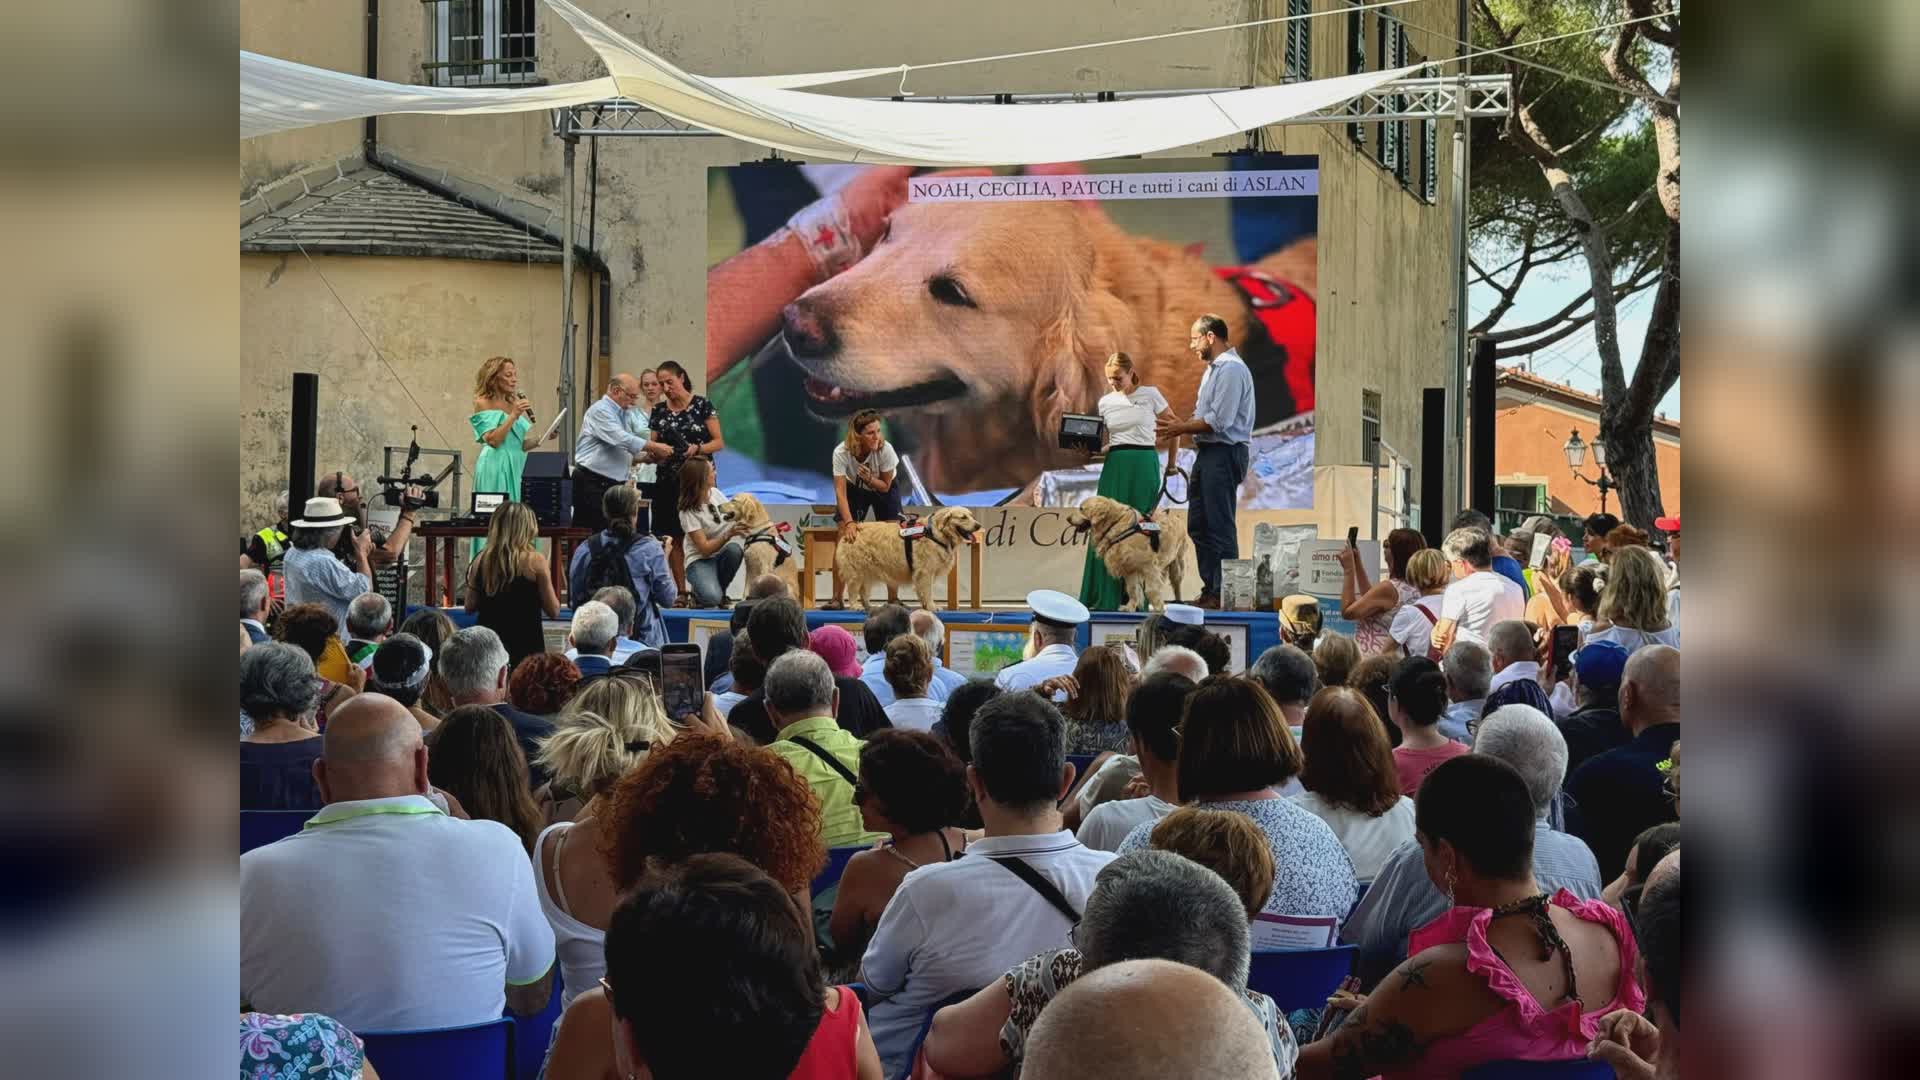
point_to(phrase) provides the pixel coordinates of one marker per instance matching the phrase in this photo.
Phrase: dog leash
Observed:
(1166, 492)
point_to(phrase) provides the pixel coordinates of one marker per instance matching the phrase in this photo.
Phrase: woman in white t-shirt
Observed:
(863, 470)
(1131, 471)
(1413, 623)
(714, 550)
(1350, 778)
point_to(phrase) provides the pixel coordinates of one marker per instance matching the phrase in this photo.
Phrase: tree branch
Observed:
(1654, 30)
(1528, 348)
(1618, 60)
(1620, 292)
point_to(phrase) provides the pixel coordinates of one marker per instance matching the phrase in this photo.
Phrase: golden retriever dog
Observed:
(975, 327)
(1130, 556)
(877, 554)
(760, 555)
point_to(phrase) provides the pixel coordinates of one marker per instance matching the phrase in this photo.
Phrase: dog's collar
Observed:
(1282, 328)
(1140, 526)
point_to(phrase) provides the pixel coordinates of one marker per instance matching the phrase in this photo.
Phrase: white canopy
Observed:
(278, 95)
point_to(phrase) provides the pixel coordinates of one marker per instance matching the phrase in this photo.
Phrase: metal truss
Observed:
(1403, 99)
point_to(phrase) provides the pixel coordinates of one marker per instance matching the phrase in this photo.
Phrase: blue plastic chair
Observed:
(926, 1025)
(1575, 1069)
(474, 1052)
(261, 827)
(1299, 978)
(836, 865)
(1081, 763)
(531, 1034)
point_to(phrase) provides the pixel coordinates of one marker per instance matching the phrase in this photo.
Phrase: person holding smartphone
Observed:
(1373, 605)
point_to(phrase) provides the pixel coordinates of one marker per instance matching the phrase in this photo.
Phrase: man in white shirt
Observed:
(1478, 597)
(1050, 640)
(605, 451)
(384, 913)
(960, 925)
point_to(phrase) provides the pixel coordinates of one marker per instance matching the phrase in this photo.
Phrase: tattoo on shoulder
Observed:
(1414, 973)
(1362, 1048)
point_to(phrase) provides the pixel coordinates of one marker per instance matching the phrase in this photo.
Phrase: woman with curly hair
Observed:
(913, 789)
(542, 683)
(1350, 778)
(1097, 710)
(313, 629)
(603, 734)
(477, 758)
(1633, 606)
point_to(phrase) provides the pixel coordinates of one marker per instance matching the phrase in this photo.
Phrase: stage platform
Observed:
(1249, 632)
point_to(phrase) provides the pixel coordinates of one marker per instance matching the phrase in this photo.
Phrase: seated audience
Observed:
(883, 624)
(1373, 677)
(1651, 846)
(763, 1014)
(1177, 660)
(1633, 605)
(1300, 621)
(278, 692)
(541, 684)
(722, 646)
(1112, 774)
(433, 627)
(311, 627)
(1510, 971)
(1648, 1047)
(800, 696)
(1153, 731)
(1418, 698)
(1594, 727)
(1146, 904)
(402, 669)
(474, 663)
(594, 569)
(1212, 648)
(1480, 595)
(956, 717)
(509, 588)
(928, 628)
(746, 675)
(1335, 656)
(369, 621)
(1119, 1023)
(1096, 705)
(603, 734)
(477, 759)
(914, 790)
(384, 913)
(1289, 677)
(1351, 781)
(625, 646)
(1619, 793)
(1226, 843)
(834, 645)
(908, 670)
(1019, 892)
(256, 603)
(305, 1045)
(1402, 898)
(1516, 668)
(1234, 752)
(1469, 671)
(591, 637)
(1413, 622)
(779, 626)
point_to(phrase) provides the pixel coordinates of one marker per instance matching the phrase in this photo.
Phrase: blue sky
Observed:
(1574, 360)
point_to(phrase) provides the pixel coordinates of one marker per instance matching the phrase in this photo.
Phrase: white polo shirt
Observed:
(1479, 600)
(960, 925)
(386, 914)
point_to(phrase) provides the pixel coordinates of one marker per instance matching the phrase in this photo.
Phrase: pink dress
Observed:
(1524, 1031)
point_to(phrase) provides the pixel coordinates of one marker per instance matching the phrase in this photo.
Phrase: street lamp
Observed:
(1576, 451)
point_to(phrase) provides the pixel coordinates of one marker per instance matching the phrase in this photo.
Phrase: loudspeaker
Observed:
(301, 452)
(1480, 424)
(545, 463)
(549, 497)
(1433, 464)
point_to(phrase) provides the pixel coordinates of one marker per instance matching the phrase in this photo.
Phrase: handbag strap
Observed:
(822, 754)
(1039, 884)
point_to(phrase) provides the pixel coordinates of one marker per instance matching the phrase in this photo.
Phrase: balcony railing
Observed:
(480, 43)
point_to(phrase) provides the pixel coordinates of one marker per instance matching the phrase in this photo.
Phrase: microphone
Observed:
(531, 419)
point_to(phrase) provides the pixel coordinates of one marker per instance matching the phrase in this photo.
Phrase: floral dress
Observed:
(1373, 635)
(300, 1046)
(680, 430)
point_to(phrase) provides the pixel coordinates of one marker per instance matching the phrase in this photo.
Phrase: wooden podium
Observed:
(439, 587)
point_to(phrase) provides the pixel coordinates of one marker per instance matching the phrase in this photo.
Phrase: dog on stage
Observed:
(975, 327)
(878, 554)
(761, 552)
(1129, 552)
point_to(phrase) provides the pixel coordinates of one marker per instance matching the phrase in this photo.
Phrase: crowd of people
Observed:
(1065, 870)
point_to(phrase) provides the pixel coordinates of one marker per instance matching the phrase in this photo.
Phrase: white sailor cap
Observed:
(1057, 607)
(1184, 614)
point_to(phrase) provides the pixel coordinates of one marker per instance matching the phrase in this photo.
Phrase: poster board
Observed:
(984, 648)
(1105, 632)
(700, 631)
(1319, 562)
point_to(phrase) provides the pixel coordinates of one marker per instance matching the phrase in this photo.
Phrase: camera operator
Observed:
(342, 486)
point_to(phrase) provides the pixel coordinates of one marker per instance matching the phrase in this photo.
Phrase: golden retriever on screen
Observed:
(1131, 558)
(760, 556)
(974, 327)
(877, 554)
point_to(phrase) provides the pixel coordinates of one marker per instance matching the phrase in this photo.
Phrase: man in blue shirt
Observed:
(605, 452)
(1222, 430)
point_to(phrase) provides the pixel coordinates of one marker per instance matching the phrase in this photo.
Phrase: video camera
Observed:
(396, 489)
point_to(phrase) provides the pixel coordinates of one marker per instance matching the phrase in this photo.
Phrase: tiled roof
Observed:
(1521, 377)
(368, 211)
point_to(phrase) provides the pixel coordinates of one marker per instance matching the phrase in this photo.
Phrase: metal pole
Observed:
(567, 143)
(1457, 384)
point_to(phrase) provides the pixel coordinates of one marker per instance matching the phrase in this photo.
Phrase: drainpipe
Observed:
(370, 131)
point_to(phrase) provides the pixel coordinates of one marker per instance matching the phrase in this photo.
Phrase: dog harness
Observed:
(1141, 527)
(911, 530)
(771, 536)
(1283, 318)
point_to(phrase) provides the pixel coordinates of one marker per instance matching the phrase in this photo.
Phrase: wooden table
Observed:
(439, 588)
(818, 546)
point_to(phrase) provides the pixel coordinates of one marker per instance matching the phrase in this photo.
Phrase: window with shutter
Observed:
(1356, 61)
(1299, 47)
(1389, 130)
(1430, 160)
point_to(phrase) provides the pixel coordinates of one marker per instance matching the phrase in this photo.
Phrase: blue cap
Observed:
(1057, 607)
(1600, 664)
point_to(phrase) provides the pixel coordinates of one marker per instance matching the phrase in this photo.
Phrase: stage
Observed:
(992, 632)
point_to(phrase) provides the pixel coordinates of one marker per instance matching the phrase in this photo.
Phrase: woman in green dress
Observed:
(502, 418)
(1131, 473)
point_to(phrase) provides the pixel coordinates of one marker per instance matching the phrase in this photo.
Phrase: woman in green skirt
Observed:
(1132, 471)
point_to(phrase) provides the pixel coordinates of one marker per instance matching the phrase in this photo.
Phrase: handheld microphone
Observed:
(531, 419)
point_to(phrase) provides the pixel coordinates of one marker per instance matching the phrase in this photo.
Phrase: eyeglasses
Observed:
(1473, 726)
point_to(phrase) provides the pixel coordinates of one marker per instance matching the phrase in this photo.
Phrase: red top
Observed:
(1414, 765)
(830, 1053)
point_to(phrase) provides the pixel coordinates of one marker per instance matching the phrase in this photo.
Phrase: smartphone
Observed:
(1353, 537)
(646, 662)
(1560, 656)
(682, 690)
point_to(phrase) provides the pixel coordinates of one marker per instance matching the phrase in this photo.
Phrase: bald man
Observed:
(1148, 1020)
(384, 913)
(606, 451)
(1620, 792)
